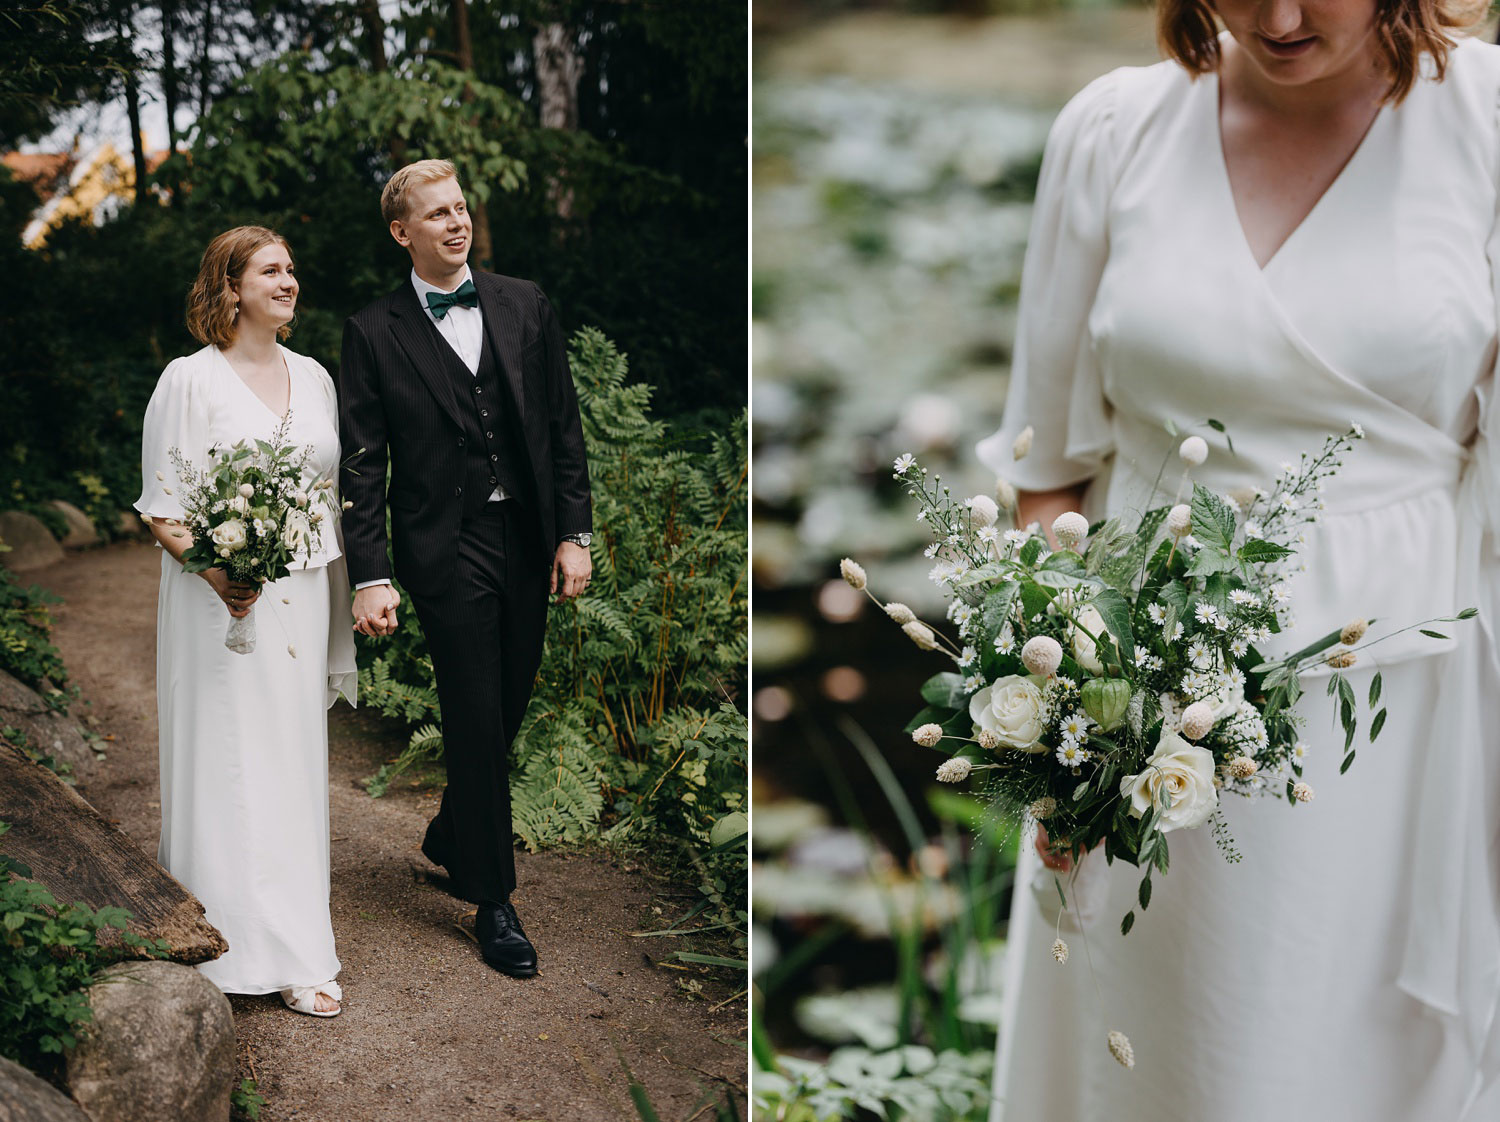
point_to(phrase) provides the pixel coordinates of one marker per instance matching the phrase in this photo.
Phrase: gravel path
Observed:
(428, 1031)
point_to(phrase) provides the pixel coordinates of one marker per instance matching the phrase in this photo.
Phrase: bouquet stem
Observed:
(240, 638)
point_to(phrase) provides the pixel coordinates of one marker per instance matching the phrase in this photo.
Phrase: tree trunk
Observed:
(205, 61)
(369, 15)
(132, 98)
(483, 255)
(77, 855)
(169, 69)
(559, 67)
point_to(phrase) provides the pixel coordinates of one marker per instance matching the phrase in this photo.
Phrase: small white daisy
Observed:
(1005, 642)
(1289, 502)
(1065, 683)
(1075, 726)
(1206, 613)
(1176, 632)
(1244, 599)
(1157, 612)
(1239, 647)
(1221, 623)
(1254, 530)
(1358, 430)
(1016, 537)
(903, 464)
(1069, 754)
(1150, 662)
(966, 659)
(987, 535)
(1299, 751)
(1280, 594)
(1200, 653)
(973, 682)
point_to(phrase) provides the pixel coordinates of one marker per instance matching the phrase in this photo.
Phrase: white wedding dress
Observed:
(244, 737)
(1347, 967)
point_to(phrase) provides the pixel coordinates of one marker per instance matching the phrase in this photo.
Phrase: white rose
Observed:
(1083, 647)
(1178, 780)
(1011, 709)
(229, 536)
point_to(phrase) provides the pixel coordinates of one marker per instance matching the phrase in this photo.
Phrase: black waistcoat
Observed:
(493, 449)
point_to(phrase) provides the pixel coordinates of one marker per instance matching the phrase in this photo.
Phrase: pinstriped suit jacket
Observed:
(397, 402)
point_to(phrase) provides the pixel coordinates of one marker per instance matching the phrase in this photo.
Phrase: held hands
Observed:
(375, 610)
(1057, 862)
(238, 598)
(572, 569)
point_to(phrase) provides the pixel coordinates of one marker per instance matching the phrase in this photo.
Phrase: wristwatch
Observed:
(579, 539)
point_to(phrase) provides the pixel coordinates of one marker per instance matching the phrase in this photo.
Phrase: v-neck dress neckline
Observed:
(1212, 95)
(291, 383)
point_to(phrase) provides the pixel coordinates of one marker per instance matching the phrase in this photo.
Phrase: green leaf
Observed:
(996, 608)
(1376, 725)
(1347, 764)
(1213, 521)
(1257, 552)
(945, 690)
(1127, 923)
(1031, 551)
(931, 715)
(1144, 892)
(1210, 560)
(1432, 634)
(1375, 689)
(1115, 611)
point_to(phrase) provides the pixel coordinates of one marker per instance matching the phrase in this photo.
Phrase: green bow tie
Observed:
(466, 294)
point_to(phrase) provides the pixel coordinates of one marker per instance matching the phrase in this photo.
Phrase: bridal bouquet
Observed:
(1117, 687)
(251, 514)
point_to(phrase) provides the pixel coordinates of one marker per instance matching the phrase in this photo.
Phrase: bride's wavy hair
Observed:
(1405, 30)
(212, 306)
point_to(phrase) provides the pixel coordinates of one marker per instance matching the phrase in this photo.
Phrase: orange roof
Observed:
(45, 171)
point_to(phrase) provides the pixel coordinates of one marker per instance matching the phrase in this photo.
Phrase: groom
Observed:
(460, 382)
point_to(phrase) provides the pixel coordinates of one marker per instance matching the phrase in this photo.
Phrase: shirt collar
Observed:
(423, 288)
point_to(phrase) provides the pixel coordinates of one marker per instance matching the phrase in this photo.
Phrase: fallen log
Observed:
(78, 856)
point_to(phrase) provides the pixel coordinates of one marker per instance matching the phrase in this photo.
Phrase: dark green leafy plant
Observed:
(26, 650)
(50, 954)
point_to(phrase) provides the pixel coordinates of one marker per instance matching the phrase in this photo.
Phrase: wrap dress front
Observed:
(1348, 967)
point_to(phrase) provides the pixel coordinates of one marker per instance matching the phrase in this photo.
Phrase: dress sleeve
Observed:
(1055, 384)
(176, 417)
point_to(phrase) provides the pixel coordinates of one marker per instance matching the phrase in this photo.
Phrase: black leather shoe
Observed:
(502, 942)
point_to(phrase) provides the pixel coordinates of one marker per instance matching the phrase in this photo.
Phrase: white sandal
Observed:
(304, 999)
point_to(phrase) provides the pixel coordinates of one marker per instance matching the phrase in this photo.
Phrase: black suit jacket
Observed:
(397, 402)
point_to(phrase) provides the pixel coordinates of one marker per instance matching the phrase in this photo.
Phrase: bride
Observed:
(1287, 227)
(244, 737)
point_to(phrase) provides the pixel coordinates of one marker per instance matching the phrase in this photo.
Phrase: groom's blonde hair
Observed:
(393, 198)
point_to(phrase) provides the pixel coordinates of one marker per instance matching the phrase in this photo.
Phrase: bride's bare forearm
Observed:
(1045, 506)
(172, 536)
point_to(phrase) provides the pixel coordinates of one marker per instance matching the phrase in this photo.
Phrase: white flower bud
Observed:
(920, 634)
(1060, 952)
(1023, 443)
(1353, 632)
(900, 612)
(1303, 793)
(1044, 807)
(955, 770)
(1120, 1049)
(1197, 719)
(1005, 493)
(1193, 451)
(1243, 767)
(247, 490)
(160, 476)
(988, 740)
(1042, 655)
(1070, 528)
(928, 735)
(983, 511)
(1342, 660)
(853, 574)
(1180, 520)
(291, 650)
(348, 505)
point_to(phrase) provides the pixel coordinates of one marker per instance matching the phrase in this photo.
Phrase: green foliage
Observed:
(246, 1100)
(906, 1082)
(26, 650)
(18, 739)
(49, 956)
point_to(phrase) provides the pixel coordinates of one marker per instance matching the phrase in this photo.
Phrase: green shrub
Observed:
(49, 957)
(26, 650)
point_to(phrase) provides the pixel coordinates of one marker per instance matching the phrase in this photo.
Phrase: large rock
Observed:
(161, 1047)
(81, 531)
(25, 1098)
(32, 545)
(50, 733)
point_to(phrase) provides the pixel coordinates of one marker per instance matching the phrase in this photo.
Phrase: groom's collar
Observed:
(423, 288)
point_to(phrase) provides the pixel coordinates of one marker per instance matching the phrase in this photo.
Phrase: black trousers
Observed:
(485, 633)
